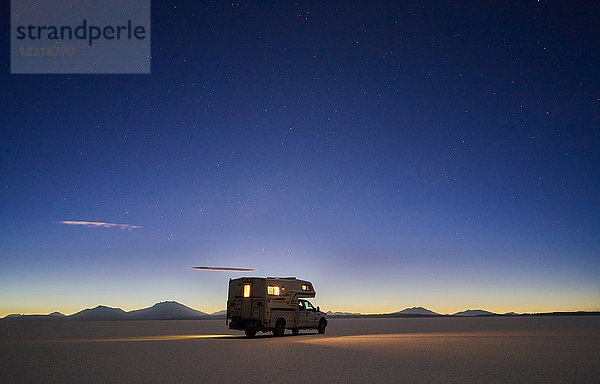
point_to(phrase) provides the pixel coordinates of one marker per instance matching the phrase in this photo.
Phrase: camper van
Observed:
(272, 304)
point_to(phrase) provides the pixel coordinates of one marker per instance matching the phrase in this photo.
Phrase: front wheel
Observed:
(295, 331)
(250, 333)
(322, 326)
(279, 328)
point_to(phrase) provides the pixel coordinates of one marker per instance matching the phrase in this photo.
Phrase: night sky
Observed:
(436, 154)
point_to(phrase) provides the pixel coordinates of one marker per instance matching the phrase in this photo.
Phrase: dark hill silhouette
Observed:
(101, 312)
(222, 312)
(167, 310)
(416, 311)
(172, 310)
(342, 314)
(50, 317)
(474, 313)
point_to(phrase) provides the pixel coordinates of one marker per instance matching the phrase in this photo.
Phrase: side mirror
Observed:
(318, 309)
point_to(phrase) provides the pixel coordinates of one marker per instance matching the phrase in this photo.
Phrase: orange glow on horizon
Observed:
(150, 338)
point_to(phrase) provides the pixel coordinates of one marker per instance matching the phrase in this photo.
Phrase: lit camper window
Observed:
(305, 287)
(246, 290)
(272, 290)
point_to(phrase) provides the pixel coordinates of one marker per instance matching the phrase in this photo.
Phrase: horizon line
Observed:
(327, 311)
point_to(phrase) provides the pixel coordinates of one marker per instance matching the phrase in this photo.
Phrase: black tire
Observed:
(279, 328)
(250, 333)
(322, 326)
(295, 331)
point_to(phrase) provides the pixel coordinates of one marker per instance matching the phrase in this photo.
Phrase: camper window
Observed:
(246, 290)
(305, 287)
(273, 290)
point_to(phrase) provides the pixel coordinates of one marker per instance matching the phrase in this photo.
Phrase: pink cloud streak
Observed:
(97, 224)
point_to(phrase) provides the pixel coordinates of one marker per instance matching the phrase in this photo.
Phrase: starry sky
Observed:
(396, 154)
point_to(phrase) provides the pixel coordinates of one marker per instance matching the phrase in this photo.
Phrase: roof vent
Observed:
(282, 278)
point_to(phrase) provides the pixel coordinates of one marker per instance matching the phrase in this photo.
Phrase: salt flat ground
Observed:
(374, 350)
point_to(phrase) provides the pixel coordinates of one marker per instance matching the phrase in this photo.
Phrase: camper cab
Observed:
(272, 304)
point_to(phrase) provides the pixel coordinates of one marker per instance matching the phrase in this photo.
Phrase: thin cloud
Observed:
(222, 269)
(97, 224)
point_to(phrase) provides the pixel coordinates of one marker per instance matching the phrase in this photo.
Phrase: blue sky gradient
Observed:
(439, 155)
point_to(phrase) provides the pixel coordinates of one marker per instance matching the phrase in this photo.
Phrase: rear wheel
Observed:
(295, 331)
(322, 326)
(279, 328)
(250, 332)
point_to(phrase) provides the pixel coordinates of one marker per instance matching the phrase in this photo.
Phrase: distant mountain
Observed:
(577, 313)
(167, 310)
(51, 316)
(474, 313)
(416, 311)
(222, 312)
(329, 313)
(172, 310)
(101, 312)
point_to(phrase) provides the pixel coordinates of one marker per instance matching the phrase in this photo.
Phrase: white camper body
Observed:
(272, 304)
